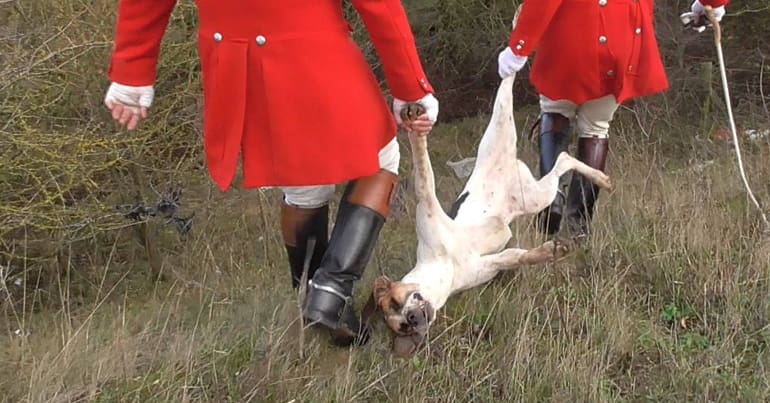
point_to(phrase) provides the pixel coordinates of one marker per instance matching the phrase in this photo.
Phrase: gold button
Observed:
(638, 31)
(217, 37)
(261, 40)
(602, 39)
(610, 73)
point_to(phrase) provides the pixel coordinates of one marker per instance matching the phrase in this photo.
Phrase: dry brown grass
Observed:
(672, 242)
(669, 301)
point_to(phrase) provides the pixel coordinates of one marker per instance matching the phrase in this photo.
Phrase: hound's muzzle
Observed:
(406, 312)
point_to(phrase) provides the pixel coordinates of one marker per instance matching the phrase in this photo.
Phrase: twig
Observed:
(166, 208)
(762, 89)
(143, 230)
(309, 250)
(638, 120)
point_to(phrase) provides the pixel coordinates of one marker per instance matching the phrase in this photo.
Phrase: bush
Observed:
(65, 163)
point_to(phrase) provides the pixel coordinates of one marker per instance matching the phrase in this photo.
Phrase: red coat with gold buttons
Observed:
(587, 49)
(286, 88)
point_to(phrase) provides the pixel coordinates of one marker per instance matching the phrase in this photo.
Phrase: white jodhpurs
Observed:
(320, 195)
(592, 117)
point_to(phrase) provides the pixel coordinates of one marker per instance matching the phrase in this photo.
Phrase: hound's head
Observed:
(405, 311)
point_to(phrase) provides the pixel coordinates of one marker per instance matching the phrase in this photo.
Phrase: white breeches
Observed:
(593, 117)
(317, 196)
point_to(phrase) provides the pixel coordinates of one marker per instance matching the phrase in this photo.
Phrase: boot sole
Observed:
(341, 335)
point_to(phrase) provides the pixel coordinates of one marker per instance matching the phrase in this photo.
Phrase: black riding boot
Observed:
(361, 215)
(554, 139)
(583, 194)
(298, 227)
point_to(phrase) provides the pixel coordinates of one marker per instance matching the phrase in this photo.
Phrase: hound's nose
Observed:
(415, 318)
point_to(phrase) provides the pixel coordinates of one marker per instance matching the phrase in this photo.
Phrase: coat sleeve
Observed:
(714, 3)
(389, 29)
(140, 28)
(534, 19)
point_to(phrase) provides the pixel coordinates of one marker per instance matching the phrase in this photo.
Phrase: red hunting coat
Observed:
(587, 49)
(286, 88)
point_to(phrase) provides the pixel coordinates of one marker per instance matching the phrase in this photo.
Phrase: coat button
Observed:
(518, 47)
(602, 3)
(610, 73)
(261, 40)
(602, 39)
(217, 37)
(638, 31)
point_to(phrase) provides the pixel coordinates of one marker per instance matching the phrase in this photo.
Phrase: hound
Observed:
(458, 253)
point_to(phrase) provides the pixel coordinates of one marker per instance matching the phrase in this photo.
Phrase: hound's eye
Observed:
(394, 305)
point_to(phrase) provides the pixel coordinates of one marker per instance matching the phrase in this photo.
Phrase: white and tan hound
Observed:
(457, 254)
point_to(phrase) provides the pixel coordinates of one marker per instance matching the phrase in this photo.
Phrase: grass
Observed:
(667, 302)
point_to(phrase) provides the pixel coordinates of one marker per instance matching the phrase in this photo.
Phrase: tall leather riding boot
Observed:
(298, 227)
(554, 139)
(361, 215)
(583, 194)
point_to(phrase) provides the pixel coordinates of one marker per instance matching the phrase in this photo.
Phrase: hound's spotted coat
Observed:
(461, 253)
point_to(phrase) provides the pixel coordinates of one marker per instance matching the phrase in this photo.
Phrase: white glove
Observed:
(429, 102)
(697, 19)
(509, 63)
(700, 12)
(132, 97)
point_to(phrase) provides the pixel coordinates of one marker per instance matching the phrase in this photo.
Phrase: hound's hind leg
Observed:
(538, 194)
(566, 162)
(512, 258)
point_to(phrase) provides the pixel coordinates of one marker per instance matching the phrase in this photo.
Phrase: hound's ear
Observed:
(406, 346)
(381, 287)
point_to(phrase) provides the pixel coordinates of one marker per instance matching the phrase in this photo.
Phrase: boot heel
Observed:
(333, 310)
(360, 217)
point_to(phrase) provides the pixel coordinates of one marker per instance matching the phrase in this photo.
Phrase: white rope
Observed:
(733, 130)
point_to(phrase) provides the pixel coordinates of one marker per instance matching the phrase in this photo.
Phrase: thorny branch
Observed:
(166, 208)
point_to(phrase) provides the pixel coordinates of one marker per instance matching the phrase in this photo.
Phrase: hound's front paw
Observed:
(411, 111)
(604, 182)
